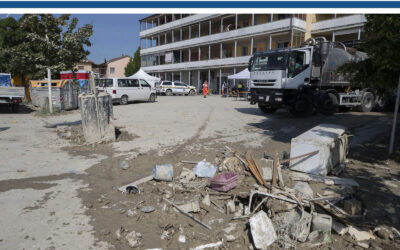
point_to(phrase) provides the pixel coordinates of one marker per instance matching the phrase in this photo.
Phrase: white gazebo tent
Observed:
(143, 75)
(242, 75)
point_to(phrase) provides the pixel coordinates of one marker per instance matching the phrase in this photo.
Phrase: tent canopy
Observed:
(145, 76)
(243, 75)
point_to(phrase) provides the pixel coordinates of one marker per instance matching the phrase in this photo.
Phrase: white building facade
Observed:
(199, 47)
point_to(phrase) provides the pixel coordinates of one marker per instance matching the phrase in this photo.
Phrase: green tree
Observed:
(134, 64)
(382, 44)
(48, 42)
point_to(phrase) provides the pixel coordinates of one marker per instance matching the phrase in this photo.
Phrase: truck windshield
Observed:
(269, 62)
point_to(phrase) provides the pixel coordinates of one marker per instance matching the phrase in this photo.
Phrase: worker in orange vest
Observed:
(205, 89)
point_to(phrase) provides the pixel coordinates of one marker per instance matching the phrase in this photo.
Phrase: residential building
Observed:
(196, 47)
(112, 68)
(84, 65)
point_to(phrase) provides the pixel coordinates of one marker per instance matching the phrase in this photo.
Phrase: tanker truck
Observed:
(305, 79)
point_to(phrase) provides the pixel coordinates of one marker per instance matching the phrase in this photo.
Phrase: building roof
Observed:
(149, 17)
(117, 58)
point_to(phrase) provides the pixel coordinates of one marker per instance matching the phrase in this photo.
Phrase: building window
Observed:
(80, 67)
(112, 70)
(245, 51)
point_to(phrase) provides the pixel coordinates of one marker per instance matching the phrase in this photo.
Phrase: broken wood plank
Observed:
(275, 168)
(299, 176)
(299, 156)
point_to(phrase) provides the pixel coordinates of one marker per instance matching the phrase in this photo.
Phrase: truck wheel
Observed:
(124, 100)
(168, 92)
(367, 102)
(267, 109)
(328, 104)
(302, 107)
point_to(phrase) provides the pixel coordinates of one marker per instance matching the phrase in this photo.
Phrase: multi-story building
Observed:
(199, 47)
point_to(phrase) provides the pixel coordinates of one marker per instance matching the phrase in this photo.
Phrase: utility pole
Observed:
(396, 111)
(49, 87)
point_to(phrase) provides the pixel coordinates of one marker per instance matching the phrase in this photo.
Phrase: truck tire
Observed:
(267, 109)
(302, 107)
(14, 107)
(367, 102)
(328, 104)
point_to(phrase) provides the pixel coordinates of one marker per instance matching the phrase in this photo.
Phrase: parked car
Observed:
(174, 88)
(124, 90)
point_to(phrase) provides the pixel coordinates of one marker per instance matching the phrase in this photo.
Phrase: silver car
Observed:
(174, 88)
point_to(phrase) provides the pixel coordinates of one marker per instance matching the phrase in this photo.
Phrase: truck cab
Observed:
(305, 78)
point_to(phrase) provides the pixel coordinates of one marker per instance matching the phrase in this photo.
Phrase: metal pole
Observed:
(220, 79)
(49, 87)
(396, 111)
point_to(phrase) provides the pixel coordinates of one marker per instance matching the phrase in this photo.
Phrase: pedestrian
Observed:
(240, 89)
(222, 90)
(205, 89)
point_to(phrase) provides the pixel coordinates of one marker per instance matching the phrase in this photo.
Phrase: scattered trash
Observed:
(224, 182)
(182, 238)
(339, 228)
(186, 176)
(192, 206)
(134, 239)
(206, 200)
(262, 230)
(124, 165)
(360, 235)
(131, 213)
(232, 164)
(147, 209)
(304, 189)
(230, 207)
(136, 183)
(132, 189)
(210, 245)
(118, 233)
(164, 172)
(188, 215)
(321, 222)
(204, 169)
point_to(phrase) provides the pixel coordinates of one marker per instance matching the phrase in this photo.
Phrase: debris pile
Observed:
(244, 202)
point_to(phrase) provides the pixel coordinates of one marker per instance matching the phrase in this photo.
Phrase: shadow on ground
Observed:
(22, 109)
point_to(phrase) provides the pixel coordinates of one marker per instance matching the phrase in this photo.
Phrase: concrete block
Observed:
(97, 115)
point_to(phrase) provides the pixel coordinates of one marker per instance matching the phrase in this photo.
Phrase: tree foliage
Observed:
(134, 64)
(382, 44)
(43, 41)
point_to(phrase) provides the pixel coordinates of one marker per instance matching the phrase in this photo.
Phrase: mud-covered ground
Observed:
(70, 189)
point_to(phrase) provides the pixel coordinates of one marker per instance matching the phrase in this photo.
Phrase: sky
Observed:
(113, 34)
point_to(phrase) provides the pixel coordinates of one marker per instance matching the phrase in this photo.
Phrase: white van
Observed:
(124, 89)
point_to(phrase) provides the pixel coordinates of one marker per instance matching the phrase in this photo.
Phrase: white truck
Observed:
(10, 95)
(304, 79)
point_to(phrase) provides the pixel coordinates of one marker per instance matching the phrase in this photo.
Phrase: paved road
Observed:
(39, 180)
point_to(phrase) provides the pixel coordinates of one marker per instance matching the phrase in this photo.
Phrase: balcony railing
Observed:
(338, 23)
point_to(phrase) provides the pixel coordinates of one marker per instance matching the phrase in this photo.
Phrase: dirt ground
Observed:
(60, 194)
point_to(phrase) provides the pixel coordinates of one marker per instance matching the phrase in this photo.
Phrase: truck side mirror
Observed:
(250, 63)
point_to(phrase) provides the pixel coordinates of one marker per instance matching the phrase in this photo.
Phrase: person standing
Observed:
(222, 89)
(240, 89)
(205, 89)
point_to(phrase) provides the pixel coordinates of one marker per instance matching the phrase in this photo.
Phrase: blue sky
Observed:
(114, 34)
